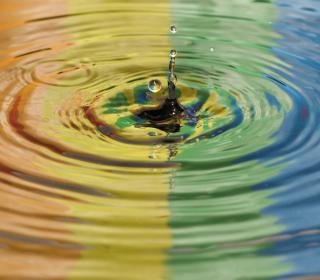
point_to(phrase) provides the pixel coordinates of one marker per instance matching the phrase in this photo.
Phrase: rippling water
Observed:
(89, 191)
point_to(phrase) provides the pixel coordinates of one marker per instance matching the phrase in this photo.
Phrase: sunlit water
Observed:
(90, 191)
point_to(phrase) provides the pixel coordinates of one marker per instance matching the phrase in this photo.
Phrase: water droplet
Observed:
(173, 53)
(154, 86)
(173, 29)
(211, 49)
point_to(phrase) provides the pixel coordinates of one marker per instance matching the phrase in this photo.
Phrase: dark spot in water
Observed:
(309, 9)
(165, 117)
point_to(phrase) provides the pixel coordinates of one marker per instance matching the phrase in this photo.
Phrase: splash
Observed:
(96, 192)
(167, 115)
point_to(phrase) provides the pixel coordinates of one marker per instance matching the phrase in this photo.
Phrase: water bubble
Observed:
(155, 86)
(173, 29)
(173, 53)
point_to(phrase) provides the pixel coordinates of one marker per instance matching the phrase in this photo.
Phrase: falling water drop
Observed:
(173, 29)
(155, 86)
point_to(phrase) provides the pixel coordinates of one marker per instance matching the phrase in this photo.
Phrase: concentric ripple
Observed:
(59, 73)
(91, 191)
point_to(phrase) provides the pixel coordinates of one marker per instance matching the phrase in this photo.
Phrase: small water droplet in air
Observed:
(173, 53)
(154, 86)
(211, 49)
(173, 29)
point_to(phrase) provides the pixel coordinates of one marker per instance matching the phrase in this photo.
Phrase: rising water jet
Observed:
(167, 115)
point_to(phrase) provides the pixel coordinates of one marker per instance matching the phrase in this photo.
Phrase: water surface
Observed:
(89, 191)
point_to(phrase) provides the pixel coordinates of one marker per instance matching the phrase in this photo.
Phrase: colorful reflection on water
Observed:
(89, 191)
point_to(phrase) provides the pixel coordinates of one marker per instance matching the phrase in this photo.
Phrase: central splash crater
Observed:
(166, 116)
(153, 114)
